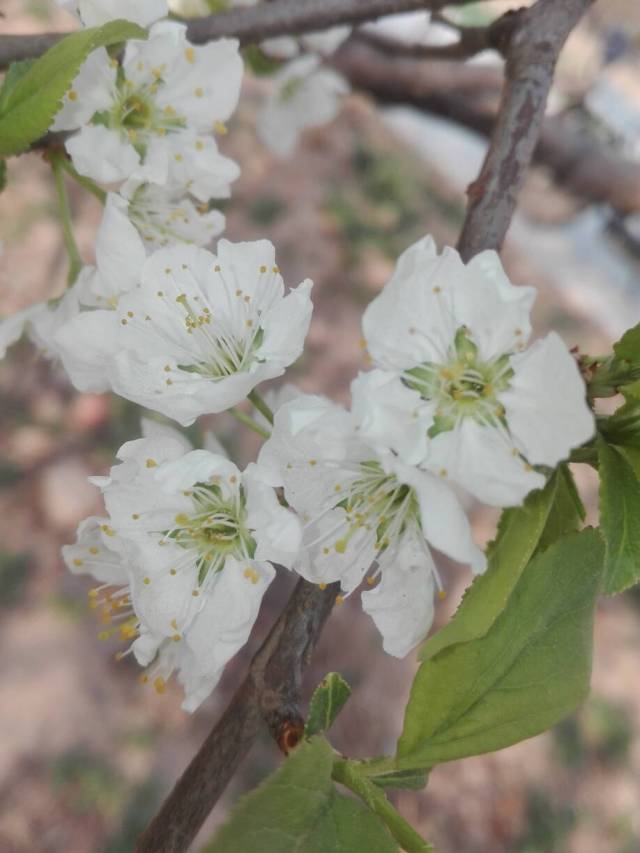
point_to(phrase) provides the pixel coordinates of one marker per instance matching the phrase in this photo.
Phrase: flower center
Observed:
(215, 529)
(464, 386)
(375, 504)
(224, 351)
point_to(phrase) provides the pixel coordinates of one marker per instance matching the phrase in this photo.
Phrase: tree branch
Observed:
(532, 53)
(470, 95)
(271, 689)
(251, 24)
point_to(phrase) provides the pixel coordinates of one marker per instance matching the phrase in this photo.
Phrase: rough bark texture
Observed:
(531, 55)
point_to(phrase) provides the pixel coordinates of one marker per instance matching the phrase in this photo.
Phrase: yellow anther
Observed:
(220, 127)
(199, 92)
(173, 572)
(72, 95)
(109, 531)
(146, 581)
(151, 463)
(128, 632)
(341, 546)
(339, 599)
(78, 562)
(190, 54)
(233, 479)
(275, 270)
(135, 516)
(322, 585)
(313, 462)
(371, 580)
(104, 635)
(337, 487)
(437, 289)
(182, 519)
(177, 158)
(195, 593)
(326, 550)
(159, 685)
(249, 324)
(443, 472)
(124, 322)
(199, 146)
(528, 467)
(442, 594)
(144, 679)
(263, 269)
(176, 638)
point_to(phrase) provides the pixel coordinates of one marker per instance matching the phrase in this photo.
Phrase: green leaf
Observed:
(411, 780)
(3, 174)
(628, 347)
(259, 63)
(15, 72)
(326, 703)
(530, 670)
(521, 531)
(34, 94)
(298, 810)
(623, 427)
(619, 519)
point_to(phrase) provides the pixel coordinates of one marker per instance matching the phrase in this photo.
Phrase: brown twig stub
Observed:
(532, 53)
(271, 690)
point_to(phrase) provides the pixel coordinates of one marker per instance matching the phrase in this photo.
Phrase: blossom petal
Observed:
(484, 460)
(545, 404)
(102, 154)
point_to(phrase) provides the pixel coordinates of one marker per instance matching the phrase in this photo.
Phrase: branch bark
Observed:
(531, 54)
(270, 690)
(281, 17)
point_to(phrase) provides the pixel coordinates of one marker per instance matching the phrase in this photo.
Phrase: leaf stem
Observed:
(85, 182)
(247, 420)
(347, 773)
(261, 405)
(75, 261)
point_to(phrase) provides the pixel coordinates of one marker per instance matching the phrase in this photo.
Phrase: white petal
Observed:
(286, 325)
(224, 624)
(411, 321)
(90, 555)
(444, 522)
(86, 344)
(102, 154)
(402, 604)
(484, 460)
(496, 312)
(89, 93)
(120, 252)
(94, 13)
(197, 466)
(390, 416)
(277, 530)
(157, 429)
(545, 404)
(328, 41)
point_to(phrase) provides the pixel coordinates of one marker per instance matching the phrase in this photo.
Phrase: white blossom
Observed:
(184, 556)
(165, 216)
(152, 118)
(201, 331)
(364, 510)
(456, 390)
(306, 95)
(94, 13)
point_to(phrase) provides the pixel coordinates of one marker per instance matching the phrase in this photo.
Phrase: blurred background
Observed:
(87, 752)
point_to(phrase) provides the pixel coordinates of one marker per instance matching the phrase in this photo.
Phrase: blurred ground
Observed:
(86, 752)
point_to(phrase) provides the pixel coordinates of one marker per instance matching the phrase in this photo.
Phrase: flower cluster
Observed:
(455, 398)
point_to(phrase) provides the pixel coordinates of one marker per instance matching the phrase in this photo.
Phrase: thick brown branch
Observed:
(271, 690)
(282, 17)
(532, 54)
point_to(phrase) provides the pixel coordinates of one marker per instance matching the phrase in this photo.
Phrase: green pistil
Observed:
(377, 501)
(463, 387)
(216, 529)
